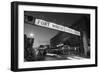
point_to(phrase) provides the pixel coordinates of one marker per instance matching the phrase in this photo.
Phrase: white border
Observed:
(22, 64)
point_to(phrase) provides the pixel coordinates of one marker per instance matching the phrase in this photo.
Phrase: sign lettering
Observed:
(56, 26)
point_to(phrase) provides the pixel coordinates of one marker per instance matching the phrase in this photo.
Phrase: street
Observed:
(62, 57)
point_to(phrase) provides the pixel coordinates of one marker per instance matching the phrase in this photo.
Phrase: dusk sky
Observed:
(42, 35)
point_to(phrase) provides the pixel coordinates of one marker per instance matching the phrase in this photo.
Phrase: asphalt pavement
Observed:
(62, 57)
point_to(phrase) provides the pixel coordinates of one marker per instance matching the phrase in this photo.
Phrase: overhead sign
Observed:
(56, 26)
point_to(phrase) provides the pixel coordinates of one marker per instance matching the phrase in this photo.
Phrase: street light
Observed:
(31, 35)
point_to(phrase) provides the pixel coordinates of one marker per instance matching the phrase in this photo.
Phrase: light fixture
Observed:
(31, 35)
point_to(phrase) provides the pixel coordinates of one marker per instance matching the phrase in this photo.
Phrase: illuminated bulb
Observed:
(31, 35)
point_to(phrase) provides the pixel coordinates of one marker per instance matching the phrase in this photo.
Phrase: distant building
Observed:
(66, 39)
